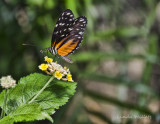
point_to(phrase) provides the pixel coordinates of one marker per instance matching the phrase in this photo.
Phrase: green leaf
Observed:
(54, 96)
(26, 112)
(7, 120)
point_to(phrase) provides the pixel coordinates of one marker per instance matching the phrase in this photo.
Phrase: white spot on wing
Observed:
(81, 20)
(80, 33)
(68, 14)
(62, 35)
(70, 29)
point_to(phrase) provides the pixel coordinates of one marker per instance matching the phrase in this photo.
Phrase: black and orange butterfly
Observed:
(67, 34)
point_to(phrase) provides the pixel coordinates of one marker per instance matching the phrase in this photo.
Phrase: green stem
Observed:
(6, 95)
(4, 103)
(41, 90)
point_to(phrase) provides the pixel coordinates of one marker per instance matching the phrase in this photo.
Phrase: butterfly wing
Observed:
(71, 42)
(62, 27)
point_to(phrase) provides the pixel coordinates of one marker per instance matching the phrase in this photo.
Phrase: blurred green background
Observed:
(116, 67)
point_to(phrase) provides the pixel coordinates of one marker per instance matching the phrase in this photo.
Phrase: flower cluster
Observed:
(55, 69)
(7, 82)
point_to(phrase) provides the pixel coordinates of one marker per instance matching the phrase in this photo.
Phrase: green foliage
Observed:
(26, 112)
(54, 96)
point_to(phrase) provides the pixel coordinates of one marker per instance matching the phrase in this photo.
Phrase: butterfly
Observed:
(67, 34)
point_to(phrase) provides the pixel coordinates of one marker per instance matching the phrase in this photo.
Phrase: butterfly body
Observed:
(67, 34)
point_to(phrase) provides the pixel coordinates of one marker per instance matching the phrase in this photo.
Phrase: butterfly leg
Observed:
(47, 52)
(42, 52)
(58, 59)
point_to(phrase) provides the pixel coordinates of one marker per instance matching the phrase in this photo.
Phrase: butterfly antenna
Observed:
(25, 44)
(42, 51)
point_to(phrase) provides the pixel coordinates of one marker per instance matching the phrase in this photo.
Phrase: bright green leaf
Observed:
(54, 96)
(26, 112)
(7, 120)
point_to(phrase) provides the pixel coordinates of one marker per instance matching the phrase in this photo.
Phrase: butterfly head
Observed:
(52, 50)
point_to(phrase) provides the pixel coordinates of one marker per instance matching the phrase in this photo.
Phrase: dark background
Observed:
(117, 64)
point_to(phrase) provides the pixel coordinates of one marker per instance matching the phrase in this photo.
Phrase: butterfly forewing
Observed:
(62, 27)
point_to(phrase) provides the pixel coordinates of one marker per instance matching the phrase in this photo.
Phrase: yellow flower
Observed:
(56, 70)
(58, 75)
(65, 67)
(50, 60)
(69, 77)
(43, 67)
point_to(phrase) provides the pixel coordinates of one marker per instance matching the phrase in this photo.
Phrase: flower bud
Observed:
(7, 82)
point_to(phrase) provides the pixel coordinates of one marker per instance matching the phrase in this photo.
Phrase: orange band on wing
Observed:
(67, 48)
(54, 43)
(57, 45)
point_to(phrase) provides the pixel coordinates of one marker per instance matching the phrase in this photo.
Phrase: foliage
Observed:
(18, 107)
(26, 112)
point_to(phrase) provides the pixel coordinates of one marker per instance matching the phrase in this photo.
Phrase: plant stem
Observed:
(4, 104)
(41, 90)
